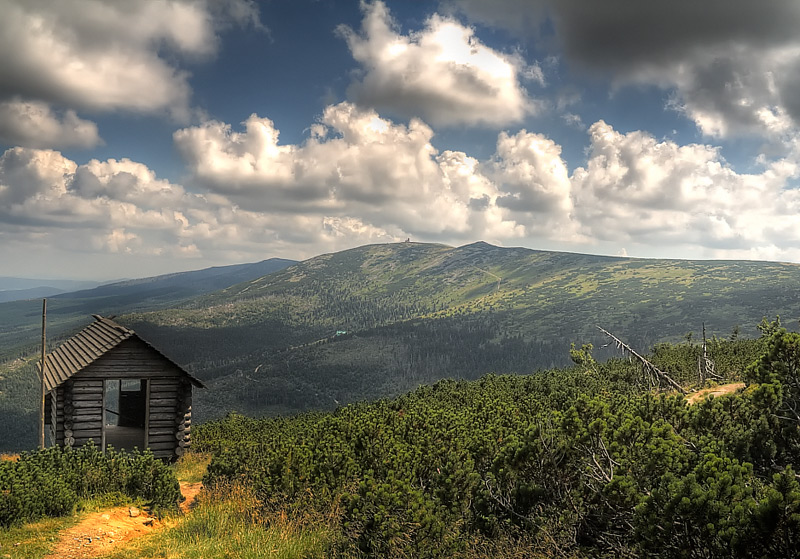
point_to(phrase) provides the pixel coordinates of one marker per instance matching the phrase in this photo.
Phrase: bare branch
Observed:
(654, 374)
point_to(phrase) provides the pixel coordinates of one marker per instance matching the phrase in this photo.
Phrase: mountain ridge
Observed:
(381, 319)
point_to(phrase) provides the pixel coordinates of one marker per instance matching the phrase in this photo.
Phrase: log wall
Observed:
(169, 399)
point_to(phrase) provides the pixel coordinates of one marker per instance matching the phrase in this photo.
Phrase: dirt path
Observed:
(190, 491)
(98, 533)
(715, 391)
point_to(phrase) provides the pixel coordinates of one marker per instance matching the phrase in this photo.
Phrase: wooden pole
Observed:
(44, 366)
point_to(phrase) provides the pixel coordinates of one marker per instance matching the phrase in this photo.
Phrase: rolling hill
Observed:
(379, 320)
(20, 320)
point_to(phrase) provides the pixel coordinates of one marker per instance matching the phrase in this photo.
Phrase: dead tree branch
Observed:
(654, 374)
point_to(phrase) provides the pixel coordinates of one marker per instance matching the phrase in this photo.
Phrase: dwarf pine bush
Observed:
(51, 482)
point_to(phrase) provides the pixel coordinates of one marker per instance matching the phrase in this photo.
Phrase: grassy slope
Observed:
(417, 312)
(20, 321)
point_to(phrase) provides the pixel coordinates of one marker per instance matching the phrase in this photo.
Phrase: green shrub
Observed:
(51, 482)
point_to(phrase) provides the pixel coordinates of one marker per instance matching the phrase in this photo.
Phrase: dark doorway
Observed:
(125, 414)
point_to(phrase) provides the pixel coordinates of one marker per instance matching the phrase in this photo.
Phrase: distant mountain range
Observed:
(21, 319)
(181, 285)
(17, 289)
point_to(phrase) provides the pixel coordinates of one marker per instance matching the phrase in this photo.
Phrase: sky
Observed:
(148, 137)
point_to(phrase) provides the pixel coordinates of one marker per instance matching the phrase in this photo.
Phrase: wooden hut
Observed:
(108, 385)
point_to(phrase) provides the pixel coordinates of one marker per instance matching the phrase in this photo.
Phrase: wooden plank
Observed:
(80, 420)
(146, 413)
(168, 381)
(162, 446)
(82, 383)
(160, 415)
(83, 440)
(86, 390)
(164, 395)
(163, 389)
(162, 402)
(158, 424)
(85, 426)
(124, 372)
(162, 439)
(78, 412)
(86, 405)
(86, 432)
(165, 433)
(86, 397)
(171, 388)
(103, 427)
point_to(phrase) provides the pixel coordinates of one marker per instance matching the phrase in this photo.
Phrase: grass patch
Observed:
(226, 524)
(192, 466)
(34, 540)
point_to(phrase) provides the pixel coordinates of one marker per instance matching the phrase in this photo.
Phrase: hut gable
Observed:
(109, 386)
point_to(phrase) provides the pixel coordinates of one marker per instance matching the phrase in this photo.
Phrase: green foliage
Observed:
(574, 462)
(418, 313)
(51, 482)
(777, 373)
(583, 356)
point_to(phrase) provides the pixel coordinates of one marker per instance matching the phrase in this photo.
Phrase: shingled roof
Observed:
(86, 347)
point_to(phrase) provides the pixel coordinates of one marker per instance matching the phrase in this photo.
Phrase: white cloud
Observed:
(733, 65)
(573, 120)
(368, 178)
(45, 194)
(360, 178)
(442, 73)
(105, 55)
(657, 193)
(534, 183)
(34, 124)
(355, 165)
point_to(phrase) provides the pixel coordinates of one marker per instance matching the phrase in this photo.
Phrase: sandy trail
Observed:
(99, 532)
(190, 491)
(715, 391)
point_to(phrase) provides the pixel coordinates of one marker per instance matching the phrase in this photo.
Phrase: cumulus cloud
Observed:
(356, 164)
(441, 73)
(104, 55)
(733, 65)
(636, 188)
(534, 184)
(360, 178)
(35, 124)
(359, 172)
